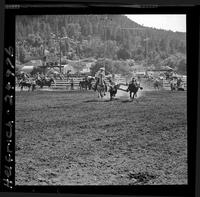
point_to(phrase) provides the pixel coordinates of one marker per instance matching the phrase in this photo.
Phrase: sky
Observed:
(161, 21)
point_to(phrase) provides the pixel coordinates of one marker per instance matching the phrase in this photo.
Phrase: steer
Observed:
(113, 90)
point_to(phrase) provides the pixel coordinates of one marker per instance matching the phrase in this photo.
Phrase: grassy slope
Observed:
(71, 138)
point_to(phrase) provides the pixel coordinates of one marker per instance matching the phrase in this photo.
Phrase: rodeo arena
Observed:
(77, 129)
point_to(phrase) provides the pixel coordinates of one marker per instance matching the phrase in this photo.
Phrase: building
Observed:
(158, 72)
(69, 68)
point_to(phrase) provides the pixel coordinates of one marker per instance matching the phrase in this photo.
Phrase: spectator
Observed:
(72, 84)
(179, 81)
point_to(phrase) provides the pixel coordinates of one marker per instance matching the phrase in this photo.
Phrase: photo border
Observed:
(8, 118)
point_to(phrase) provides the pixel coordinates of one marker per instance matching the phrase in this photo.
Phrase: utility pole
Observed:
(105, 20)
(146, 39)
(60, 52)
(59, 39)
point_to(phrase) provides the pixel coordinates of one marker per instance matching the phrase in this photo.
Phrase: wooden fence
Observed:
(166, 84)
(66, 84)
(59, 83)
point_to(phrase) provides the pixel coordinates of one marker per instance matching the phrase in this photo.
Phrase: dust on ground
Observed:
(73, 138)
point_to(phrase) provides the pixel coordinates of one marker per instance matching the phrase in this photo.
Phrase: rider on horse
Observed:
(24, 77)
(100, 75)
(133, 87)
(134, 81)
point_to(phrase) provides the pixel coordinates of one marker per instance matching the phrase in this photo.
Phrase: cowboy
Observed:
(173, 84)
(157, 80)
(72, 83)
(45, 77)
(98, 75)
(38, 77)
(111, 83)
(179, 81)
(42, 76)
(25, 77)
(133, 81)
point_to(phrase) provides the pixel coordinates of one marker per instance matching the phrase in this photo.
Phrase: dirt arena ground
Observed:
(72, 138)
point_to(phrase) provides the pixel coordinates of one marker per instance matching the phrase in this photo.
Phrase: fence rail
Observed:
(59, 83)
(64, 83)
(166, 84)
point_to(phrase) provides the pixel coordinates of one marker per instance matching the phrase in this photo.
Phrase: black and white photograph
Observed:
(101, 99)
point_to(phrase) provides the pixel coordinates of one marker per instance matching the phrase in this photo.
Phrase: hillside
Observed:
(98, 36)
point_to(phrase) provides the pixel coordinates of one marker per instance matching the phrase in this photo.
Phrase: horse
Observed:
(113, 90)
(89, 83)
(28, 84)
(157, 84)
(101, 87)
(86, 84)
(44, 82)
(83, 85)
(133, 89)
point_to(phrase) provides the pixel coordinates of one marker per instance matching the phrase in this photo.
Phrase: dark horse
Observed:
(133, 89)
(113, 90)
(89, 83)
(45, 82)
(83, 85)
(86, 84)
(28, 84)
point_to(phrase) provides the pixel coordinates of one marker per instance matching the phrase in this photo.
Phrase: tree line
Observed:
(115, 37)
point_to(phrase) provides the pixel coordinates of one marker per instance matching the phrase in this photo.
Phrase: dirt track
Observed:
(71, 138)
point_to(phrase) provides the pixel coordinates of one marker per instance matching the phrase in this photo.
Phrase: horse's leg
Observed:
(131, 96)
(102, 93)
